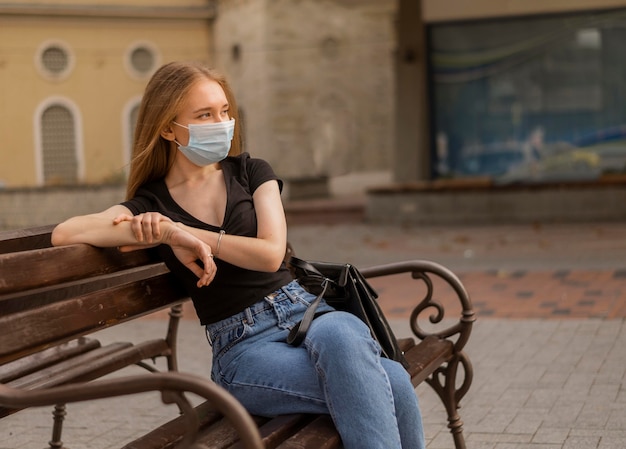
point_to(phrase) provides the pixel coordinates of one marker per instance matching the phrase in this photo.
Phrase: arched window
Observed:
(58, 144)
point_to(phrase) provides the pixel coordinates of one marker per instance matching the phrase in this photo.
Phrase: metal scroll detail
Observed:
(461, 328)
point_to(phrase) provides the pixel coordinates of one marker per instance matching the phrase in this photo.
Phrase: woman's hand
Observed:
(146, 227)
(153, 228)
(189, 249)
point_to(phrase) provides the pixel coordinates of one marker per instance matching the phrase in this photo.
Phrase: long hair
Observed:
(153, 155)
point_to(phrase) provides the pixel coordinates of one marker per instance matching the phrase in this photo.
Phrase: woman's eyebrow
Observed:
(209, 108)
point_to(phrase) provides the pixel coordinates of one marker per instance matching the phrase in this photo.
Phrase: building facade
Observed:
(71, 78)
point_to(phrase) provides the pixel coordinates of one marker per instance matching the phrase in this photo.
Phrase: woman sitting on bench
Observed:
(216, 217)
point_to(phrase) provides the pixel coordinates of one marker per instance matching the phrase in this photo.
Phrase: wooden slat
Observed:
(405, 343)
(320, 434)
(39, 297)
(33, 330)
(92, 365)
(220, 435)
(280, 428)
(426, 356)
(171, 433)
(87, 366)
(59, 373)
(273, 431)
(46, 358)
(42, 267)
(129, 356)
(25, 239)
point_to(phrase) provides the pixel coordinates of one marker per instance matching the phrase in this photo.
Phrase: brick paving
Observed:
(520, 294)
(556, 294)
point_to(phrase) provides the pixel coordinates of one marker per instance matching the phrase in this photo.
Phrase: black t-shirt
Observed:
(233, 288)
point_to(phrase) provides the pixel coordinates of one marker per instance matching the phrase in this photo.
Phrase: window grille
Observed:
(60, 164)
(142, 60)
(55, 60)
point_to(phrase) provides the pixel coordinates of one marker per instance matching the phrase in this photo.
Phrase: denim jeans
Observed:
(337, 370)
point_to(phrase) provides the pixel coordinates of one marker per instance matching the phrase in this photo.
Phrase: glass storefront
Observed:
(531, 99)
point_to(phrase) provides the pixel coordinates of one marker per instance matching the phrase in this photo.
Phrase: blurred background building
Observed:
(71, 78)
(393, 101)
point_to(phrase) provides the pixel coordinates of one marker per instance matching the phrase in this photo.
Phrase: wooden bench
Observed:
(52, 299)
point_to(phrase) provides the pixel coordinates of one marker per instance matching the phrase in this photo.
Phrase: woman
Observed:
(218, 223)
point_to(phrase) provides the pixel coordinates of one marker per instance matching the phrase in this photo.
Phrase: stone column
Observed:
(412, 150)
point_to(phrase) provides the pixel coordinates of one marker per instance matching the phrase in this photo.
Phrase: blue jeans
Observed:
(337, 370)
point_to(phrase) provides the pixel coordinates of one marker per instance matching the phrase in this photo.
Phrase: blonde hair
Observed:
(153, 155)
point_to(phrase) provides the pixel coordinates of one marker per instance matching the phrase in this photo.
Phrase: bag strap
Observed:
(318, 271)
(298, 332)
(304, 265)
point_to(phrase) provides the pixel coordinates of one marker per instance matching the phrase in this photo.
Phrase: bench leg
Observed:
(176, 313)
(57, 426)
(171, 338)
(444, 382)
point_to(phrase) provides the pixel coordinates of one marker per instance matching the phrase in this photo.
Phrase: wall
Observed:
(30, 207)
(433, 204)
(315, 82)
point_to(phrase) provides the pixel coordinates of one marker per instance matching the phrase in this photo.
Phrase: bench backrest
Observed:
(50, 295)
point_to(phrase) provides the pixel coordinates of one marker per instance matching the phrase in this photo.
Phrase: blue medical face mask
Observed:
(208, 142)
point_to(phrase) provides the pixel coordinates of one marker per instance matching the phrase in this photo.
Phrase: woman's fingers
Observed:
(146, 226)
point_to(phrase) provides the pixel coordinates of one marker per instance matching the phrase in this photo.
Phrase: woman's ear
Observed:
(168, 134)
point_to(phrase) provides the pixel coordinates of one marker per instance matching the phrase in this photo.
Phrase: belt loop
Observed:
(289, 294)
(249, 317)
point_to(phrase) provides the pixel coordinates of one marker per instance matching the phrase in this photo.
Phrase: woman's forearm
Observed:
(253, 253)
(95, 229)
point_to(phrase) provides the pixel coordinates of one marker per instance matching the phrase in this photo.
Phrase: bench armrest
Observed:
(172, 385)
(425, 271)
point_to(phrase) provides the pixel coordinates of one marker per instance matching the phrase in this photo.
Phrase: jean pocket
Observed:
(227, 337)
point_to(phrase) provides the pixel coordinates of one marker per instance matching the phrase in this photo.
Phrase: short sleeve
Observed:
(259, 172)
(139, 204)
